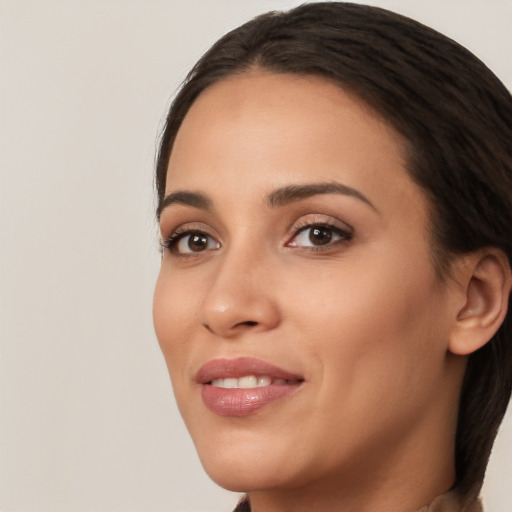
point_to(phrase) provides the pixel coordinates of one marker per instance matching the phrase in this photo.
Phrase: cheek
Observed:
(373, 326)
(173, 311)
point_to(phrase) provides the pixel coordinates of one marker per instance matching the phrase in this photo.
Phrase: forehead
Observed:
(261, 130)
(287, 105)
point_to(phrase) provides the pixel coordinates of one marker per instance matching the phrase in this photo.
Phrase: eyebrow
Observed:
(195, 199)
(279, 197)
(292, 193)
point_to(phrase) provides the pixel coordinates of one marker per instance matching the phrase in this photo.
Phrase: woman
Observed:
(335, 203)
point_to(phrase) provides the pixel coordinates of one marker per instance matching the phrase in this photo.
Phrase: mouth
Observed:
(238, 387)
(249, 381)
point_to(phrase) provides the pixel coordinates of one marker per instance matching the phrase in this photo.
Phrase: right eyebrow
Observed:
(195, 199)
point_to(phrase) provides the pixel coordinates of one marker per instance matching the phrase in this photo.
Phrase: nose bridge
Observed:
(240, 295)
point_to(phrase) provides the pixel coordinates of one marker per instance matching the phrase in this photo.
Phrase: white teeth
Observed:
(225, 383)
(231, 383)
(246, 382)
(264, 381)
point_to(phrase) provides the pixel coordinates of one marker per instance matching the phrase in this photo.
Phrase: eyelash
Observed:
(171, 242)
(344, 235)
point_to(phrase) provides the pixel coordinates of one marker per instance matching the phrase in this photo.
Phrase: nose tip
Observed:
(231, 310)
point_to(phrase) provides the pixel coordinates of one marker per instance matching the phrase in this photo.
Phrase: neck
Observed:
(385, 491)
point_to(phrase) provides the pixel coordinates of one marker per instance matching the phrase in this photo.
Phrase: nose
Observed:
(240, 298)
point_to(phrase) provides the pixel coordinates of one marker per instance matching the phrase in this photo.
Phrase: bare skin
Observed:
(357, 308)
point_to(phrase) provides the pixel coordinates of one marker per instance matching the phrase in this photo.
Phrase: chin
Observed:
(236, 480)
(244, 476)
(240, 466)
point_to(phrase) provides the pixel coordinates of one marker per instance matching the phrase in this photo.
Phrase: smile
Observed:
(239, 387)
(249, 381)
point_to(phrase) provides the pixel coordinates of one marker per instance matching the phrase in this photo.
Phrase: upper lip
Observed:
(240, 367)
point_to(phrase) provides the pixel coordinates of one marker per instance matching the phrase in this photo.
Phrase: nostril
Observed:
(248, 323)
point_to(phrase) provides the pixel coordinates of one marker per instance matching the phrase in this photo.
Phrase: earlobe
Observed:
(486, 278)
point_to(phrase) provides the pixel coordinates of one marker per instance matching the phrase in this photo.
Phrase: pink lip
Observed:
(241, 402)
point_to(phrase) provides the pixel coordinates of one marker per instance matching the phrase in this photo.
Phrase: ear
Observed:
(485, 278)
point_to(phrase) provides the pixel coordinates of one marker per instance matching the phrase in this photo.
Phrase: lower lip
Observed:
(242, 402)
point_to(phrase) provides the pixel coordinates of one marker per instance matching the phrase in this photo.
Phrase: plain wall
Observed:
(87, 418)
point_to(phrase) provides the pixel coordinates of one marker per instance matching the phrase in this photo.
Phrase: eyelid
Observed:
(168, 242)
(344, 231)
(315, 219)
(185, 227)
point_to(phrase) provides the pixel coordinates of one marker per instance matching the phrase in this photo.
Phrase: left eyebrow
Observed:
(292, 193)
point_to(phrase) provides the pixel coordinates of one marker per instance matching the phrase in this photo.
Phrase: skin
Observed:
(365, 318)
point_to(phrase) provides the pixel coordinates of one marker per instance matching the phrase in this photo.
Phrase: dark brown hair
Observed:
(457, 118)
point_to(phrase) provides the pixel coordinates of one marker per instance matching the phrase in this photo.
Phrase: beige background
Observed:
(87, 419)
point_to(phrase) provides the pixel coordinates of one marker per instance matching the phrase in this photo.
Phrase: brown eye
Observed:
(191, 242)
(197, 242)
(320, 235)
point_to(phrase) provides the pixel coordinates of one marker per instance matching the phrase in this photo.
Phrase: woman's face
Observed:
(301, 319)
